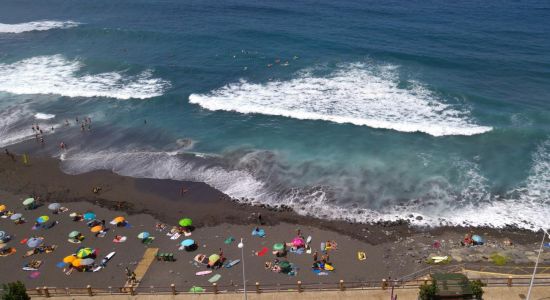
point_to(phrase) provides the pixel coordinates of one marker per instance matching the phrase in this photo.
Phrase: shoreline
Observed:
(164, 200)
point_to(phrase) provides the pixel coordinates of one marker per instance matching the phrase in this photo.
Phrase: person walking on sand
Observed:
(315, 256)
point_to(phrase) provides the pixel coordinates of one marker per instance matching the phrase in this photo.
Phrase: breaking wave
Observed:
(36, 26)
(242, 176)
(356, 93)
(58, 75)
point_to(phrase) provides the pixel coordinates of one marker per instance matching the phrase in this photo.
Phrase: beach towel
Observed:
(262, 252)
(121, 240)
(175, 236)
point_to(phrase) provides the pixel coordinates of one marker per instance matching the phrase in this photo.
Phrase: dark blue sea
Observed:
(435, 112)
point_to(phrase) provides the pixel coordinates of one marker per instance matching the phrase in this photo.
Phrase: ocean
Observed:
(433, 112)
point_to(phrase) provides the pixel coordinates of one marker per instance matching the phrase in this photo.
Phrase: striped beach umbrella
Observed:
(143, 235)
(42, 219)
(185, 222)
(28, 201)
(84, 252)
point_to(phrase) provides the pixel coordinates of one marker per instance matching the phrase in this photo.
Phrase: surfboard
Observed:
(232, 263)
(214, 278)
(202, 273)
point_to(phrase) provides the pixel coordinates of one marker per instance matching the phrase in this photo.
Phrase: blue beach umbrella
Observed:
(143, 235)
(42, 219)
(478, 239)
(34, 242)
(188, 243)
(89, 216)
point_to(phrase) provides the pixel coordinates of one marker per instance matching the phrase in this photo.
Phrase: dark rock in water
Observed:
(419, 218)
(411, 216)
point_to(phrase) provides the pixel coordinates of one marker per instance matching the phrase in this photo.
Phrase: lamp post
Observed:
(241, 246)
(536, 264)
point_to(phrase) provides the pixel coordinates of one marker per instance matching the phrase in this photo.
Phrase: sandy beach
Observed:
(393, 250)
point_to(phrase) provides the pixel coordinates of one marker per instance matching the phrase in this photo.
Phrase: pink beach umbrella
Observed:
(298, 242)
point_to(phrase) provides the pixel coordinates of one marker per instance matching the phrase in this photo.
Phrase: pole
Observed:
(536, 265)
(241, 245)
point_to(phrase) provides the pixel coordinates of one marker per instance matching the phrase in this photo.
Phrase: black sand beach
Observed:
(393, 249)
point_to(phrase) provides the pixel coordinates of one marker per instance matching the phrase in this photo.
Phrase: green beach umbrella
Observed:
(278, 247)
(196, 289)
(213, 258)
(185, 222)
(28, 201)
(74, 234)
(84, 252)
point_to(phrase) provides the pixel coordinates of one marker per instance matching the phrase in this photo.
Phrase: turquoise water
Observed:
(362, 110)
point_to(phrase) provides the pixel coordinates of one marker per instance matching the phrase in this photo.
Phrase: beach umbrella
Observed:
(54, 206)
(69, 259)
(96, 229)
(76, 262)
(298, 242)
(42, 219)
(278, 247)
(86, 261)
(89, 216)
(28, 201)
(2, 208)
(118, 220)
(15, 217)
(188, 243)
(196, 289)
(478, 239)
(3, 234)
(185, 222)
(84, 252)
(34, 242)
(74, 234)
(213, 258)
(143, 235)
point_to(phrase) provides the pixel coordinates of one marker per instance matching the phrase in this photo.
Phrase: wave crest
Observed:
(356, 93)
(36, 26)
(57, 75)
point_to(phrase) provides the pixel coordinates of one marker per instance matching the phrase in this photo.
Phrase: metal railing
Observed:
(297, 287)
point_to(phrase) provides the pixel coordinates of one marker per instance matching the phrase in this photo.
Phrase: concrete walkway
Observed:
(497, 293)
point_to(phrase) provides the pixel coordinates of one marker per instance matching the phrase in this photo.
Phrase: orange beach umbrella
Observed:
(69, 259)
(97, 228)
(76, 262)
(118, 220)
(2, 207)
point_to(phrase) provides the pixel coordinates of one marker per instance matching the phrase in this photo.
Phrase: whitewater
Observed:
(42, 25)
(357, 93)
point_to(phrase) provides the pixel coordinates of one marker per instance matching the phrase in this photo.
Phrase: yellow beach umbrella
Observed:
(97, 228)
(118, 220)
(76, 262)
(2, 207)
(69, 259)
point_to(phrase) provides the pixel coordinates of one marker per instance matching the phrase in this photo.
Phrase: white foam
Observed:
(472, 206)
(356, 93)
(58, 75)
(43, 116)
(14, 129)
(36, 26)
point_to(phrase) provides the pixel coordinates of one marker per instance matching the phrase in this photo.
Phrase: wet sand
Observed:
(393, 249)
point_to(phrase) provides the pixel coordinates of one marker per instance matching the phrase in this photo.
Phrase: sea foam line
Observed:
(357, 93)
(36, 26)
(57, 75)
